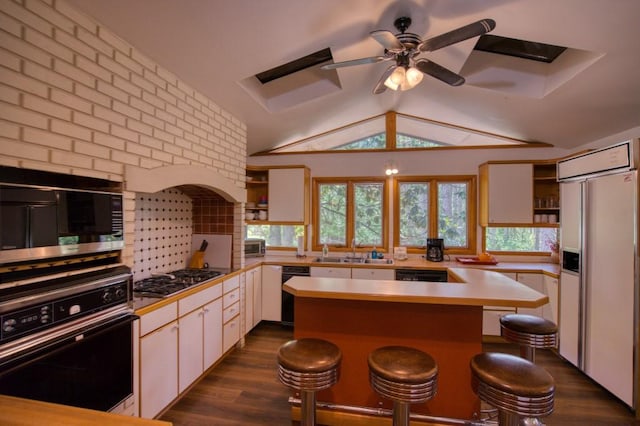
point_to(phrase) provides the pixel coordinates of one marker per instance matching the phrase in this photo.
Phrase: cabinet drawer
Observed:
(230, 283)
(230, 333)
(156, 319)
(230, 312)
(231, 298)
(491, 322)
(198, 299)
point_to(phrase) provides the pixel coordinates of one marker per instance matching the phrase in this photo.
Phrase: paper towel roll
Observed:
(300, 246)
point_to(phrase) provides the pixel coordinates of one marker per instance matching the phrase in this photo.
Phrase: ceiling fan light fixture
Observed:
(412, 79)
(396, 78)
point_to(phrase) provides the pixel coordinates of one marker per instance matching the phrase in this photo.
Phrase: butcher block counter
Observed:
(442, 319)
(24, 412)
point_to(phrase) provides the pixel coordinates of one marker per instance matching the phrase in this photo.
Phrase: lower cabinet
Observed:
(373, 274)
(212, 321)
(190, 348)
(252, 299)
(230, 312)
(541, 283)
(272, 292)
(330, 272)
(550, 310)
(158, 369)
(178, 342)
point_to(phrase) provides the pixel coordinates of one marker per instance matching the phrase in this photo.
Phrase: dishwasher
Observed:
(433, 275)
(287, 298)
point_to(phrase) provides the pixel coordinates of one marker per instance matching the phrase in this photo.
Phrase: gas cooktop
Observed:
(163, 285)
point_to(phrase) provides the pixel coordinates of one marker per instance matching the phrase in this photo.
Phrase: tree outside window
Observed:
(349, 209)
(436, 207)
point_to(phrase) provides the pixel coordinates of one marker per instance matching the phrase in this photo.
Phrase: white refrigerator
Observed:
(598, 282)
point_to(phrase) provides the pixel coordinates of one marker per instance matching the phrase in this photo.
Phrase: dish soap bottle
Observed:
(325, 251)
(374, 253)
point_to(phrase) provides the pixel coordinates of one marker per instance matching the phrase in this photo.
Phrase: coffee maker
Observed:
(435, 249)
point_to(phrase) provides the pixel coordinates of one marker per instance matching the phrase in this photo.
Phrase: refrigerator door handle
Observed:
(583, 274)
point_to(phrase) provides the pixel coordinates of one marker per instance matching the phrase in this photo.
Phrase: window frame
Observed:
(433, 181)
(350, 225)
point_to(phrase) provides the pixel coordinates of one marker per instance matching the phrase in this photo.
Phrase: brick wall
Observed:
(77, 99)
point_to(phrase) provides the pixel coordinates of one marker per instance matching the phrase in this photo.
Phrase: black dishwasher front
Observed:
(287, 298)
(433, 275)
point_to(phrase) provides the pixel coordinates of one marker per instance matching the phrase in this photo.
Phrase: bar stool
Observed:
(518, 388)
(405, 376)
(530, 332)
(308, 365)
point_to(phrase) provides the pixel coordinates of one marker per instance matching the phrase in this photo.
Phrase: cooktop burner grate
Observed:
(163, 285)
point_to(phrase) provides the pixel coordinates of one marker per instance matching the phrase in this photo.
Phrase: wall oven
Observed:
(69, 340)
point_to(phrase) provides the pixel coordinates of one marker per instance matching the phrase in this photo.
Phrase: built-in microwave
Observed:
(39, 222)
(254, 247)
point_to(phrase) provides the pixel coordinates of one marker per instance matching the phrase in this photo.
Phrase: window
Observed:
(521, 240)
(436, 207)
(275, 236)
(348, 210)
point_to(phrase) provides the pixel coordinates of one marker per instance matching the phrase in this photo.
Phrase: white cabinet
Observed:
(231, 312)
(272, 292)
(550, 310)
(506, 193)
(212, 344)
(288, 195)
(246, 287)
(373, 273)
(190, 349)
(535, 282)
(329, 272)
(178, 343)
(491, 314)
(158, 360)
(254, 292)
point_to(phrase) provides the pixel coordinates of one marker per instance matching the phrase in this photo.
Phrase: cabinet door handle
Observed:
(206, 310)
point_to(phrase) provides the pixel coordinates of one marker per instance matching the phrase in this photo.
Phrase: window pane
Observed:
(378, 141)
(521, 239)
(408, 141)
(414, 214)
(452, 214)
(276, 235)
(368, 213)
(333, 213)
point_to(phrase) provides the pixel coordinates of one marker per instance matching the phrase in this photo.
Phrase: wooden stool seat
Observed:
(405, 376)
(308, 365)
(515, 386)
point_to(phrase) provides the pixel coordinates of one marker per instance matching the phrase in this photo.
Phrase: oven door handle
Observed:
(34, 350)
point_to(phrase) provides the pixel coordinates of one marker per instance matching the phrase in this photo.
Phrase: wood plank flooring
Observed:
(244, 389)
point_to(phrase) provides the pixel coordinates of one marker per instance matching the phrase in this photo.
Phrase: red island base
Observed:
(451, 334)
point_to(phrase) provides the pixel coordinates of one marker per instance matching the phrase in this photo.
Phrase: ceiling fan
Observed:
(404, 47)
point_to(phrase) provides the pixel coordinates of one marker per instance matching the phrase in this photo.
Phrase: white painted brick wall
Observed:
(75, 98)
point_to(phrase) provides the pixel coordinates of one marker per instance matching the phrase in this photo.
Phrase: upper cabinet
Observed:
(522, 193)
(278, 195)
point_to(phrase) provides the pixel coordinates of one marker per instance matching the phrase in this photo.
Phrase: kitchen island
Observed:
(443, 319)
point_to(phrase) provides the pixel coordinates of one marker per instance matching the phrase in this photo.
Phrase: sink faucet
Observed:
(353, 247)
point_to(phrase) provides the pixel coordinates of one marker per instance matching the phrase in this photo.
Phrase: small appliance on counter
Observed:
(435, 249)
(254, 247)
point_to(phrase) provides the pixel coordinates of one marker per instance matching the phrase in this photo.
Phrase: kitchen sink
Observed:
(352, 260)
(330, 260)
(379, 261)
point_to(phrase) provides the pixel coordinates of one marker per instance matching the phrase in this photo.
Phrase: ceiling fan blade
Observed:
(380, 87)
(361, 61)
(439, 72)
(463, 33)
(388, 40)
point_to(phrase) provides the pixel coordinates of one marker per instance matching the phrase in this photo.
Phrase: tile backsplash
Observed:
(163, 230)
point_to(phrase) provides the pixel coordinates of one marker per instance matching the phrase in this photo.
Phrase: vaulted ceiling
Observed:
(218, 46)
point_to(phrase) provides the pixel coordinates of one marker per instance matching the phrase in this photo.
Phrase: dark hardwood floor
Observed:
(244, 390)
